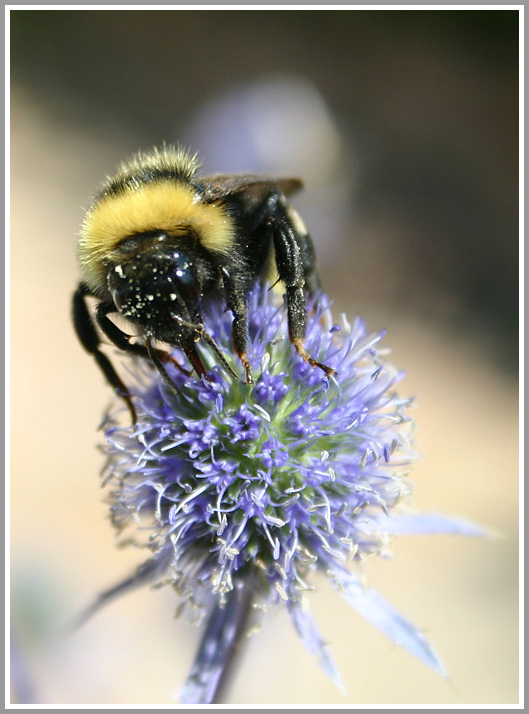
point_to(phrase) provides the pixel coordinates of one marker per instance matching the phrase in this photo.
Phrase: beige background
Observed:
(462, 591)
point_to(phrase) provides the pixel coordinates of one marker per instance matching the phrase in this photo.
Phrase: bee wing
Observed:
(220, 186)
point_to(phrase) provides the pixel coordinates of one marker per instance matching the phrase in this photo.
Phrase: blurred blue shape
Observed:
(280, 125)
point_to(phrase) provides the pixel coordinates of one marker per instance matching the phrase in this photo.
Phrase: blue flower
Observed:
(242, 491)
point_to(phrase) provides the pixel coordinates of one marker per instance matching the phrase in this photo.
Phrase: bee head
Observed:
(153, 283)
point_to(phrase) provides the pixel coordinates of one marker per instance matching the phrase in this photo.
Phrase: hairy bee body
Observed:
(159, 242)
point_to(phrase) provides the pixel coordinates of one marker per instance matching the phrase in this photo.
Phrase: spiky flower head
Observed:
(250, 488)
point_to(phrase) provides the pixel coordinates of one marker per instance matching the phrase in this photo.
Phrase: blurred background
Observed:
(403, 126)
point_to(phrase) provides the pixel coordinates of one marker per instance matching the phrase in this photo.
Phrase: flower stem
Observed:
(218, 649)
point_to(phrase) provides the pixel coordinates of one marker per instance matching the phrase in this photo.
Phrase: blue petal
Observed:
(311, 638)
(380, 613)
(224, 630)
(429, 524)
(145, 573)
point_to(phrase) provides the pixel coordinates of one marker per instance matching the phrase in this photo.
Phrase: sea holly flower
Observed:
(242, 491)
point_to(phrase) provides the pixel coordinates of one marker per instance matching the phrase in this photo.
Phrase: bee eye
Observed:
(183, 269)
(131, 244)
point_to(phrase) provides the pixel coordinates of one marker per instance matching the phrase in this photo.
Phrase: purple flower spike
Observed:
(242, 491)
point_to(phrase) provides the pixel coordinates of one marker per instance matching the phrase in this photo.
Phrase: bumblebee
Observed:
(159, 242)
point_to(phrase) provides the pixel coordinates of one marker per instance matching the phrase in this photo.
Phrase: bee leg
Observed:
(192, 354)
(312, 286)
(308, 262)
(121, 340)
(154, 355)
(89, 338)
(237, 303)
(195, 359)
(295, 267)
(158, 357)
(275, 210)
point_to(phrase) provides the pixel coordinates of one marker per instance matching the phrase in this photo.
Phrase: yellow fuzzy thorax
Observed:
(166, 206)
